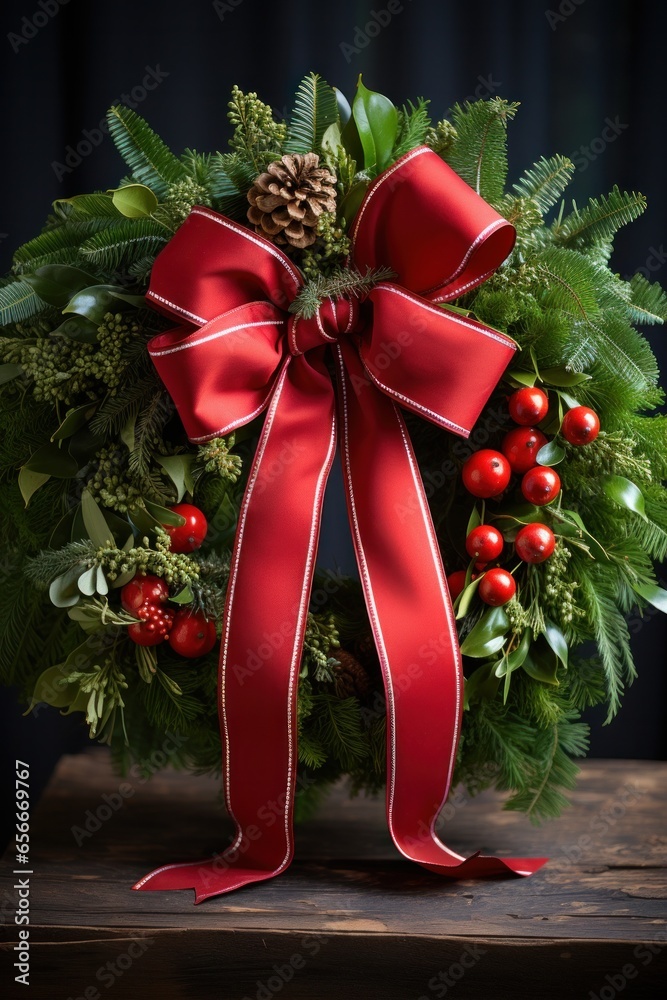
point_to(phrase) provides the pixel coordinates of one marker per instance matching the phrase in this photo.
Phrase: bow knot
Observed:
(335, 317)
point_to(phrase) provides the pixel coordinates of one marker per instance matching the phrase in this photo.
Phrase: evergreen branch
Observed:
(413, 129)
(611, 633)
(479, 152)
(345, 281)
(19, 302)
(151, 162)
(315, 109)
(124, 244)
(648, 302)
(545, 181)
(48, 564)
(600, 220)
(59, 245)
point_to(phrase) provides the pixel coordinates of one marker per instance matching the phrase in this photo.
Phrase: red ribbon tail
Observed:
(265, 619)
(413, 624)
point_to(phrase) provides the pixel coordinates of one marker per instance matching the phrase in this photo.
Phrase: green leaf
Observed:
(561, 376)
(96, 526)
(97, 204)
(488, 635)
(474, 520)
(29, 482)
(135, 201)
(94, 302)
(653, 594)
(315, 109)
(377, 121)
(481, 685)
(57, 283)
(550, 453)
(64, 590)
(515, 659)
(87, 581)
(184, 596)
(163, 515)
(9, 372)
(351, 203)
(541, 663)
(77, 328)
(74, 420)
(624, 492)
(464, 600)
(51, 460)
(523, 378)
(51, 689)
(557, 641)
(179, 470)
(344, 109)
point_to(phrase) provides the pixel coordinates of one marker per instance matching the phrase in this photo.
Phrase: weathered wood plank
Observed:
(390, 927)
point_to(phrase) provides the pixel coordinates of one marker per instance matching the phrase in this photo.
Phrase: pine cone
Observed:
(287, 200)
(349, 675)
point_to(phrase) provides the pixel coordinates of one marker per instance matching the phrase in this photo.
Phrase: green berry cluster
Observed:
(216, 456)
(559, 587)
(255, 127)
(181, 197)
(321, 636)
(441, 137)
(62, 370)
(517, 616)
(609, 453)
(111, 481)
(175, 568)
(329, 249)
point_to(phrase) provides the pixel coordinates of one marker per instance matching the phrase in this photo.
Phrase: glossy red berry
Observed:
(520, 447)
(155, 627)
(497, 587)
(534, 543)
(192, 634)
(484, 543)
(486, 473)
(528, 406)
(581, 425)
(540, 485)
(456, 582)
(143, 589)
(188, 536)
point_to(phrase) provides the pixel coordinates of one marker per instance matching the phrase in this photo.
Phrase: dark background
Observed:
(575, 66)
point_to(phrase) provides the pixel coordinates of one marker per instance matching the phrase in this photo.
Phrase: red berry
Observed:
(540, 485)
(497, 587)
(486, 473)
(528, 406)
(456, 582)
(520, 447)
(190, 535)
(581, 425)
(534, 543)
(484, 543)
(155, 627)
(192, 634)
(142, 589)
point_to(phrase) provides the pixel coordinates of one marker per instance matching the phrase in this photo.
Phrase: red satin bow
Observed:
(246, 354)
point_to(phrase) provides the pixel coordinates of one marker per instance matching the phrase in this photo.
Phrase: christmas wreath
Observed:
(120, 526)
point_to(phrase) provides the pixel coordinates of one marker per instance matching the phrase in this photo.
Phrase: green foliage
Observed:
(545, 181)
(479, 153)
(18, 301)
(344, 281)
(414, 124)
(315, 109)
(149, 159)
(599, 221)
(117, 248)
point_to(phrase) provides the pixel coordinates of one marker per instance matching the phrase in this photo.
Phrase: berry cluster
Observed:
(487, 473)
(189, 633)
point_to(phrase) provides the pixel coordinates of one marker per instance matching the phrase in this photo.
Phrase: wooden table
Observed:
(350, 918)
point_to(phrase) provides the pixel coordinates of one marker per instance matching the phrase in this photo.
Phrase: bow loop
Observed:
(423, 221)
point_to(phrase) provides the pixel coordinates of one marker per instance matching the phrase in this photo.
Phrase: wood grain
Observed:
(351, 917)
